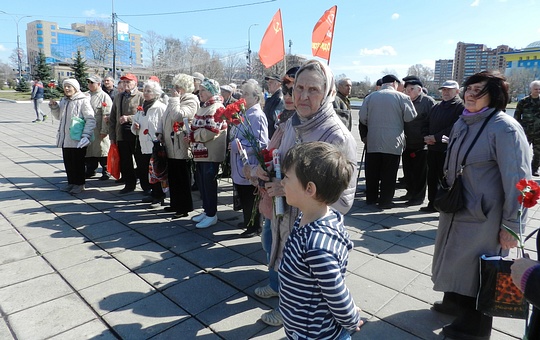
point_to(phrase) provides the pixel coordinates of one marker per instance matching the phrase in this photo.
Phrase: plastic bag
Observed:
(113, 161)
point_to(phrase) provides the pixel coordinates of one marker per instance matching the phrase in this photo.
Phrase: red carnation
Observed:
(145, 132)
(140, 108)
(412, 154)
(104, 104)
(530, 193)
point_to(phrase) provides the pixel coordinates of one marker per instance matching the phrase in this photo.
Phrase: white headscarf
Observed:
(330, 86)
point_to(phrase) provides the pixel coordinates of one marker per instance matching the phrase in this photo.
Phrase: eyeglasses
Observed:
(90, 82)
(287, 90)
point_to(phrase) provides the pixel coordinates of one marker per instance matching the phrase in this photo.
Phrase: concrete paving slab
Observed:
(116, 293)
(199, 293)
(184, 242)
(387, 274)
(50, 318)
(33, 292)
(93, 272)
(102, 229)
(15, 251)
(368, 295)
(187, 329)
(377, 329)
(211, 256)
(95, 330)
(143, 255)
(58, 240)
(406, 257)
(169, 272)
(9, 236)
(145, 318)
(121, 241)
(74, 255)
(241, 273)
(5, 333)
(23, 270)
(419, 242)
(161, 230)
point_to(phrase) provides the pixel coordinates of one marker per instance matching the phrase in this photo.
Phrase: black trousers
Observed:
(435, 163)
(74, 164)
(126, 149)
(381, 173)
(247, 198)
(415, 172)
(180, 185)
(143, 161)
(92, 164)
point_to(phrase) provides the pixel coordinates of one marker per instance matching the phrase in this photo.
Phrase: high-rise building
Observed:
(527, 59)
(444, 69)
(93, 39)
(472, 58)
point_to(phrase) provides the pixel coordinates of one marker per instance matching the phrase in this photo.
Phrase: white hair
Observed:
(154, 87)
(534, 83)
(184, 81)
(252, 88)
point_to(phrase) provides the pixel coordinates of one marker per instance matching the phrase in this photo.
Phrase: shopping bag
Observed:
(157, 169)
(113, 161)
(498, 296)
(76, 128)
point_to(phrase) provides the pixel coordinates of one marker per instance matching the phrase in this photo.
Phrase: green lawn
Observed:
(13, 95)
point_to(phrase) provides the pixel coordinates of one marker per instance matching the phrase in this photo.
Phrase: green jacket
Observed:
(528, 115)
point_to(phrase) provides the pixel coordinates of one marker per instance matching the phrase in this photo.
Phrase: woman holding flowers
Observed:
(144, 127)
(314, 120)
(497, 161)
(208, 142)
(253, 130)
(171, 132)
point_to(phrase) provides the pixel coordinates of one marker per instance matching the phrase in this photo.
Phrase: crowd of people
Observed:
(307, 118)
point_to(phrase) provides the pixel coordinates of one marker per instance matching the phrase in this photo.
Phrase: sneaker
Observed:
(272, 318)
(265, 292)
(207, 222)
(67, 188)
(77, 189)
(36, 120)
(44, 117)
(198, 218)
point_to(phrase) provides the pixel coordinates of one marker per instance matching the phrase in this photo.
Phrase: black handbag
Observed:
(449, 199)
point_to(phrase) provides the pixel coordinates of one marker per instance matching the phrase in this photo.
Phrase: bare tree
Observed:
(233, 66)
(99, 42)
(387, 71)
(153, 42)
(425, 74)
(519, 81)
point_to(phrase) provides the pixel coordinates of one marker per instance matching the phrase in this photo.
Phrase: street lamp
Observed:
(249, 49)
(17, 20)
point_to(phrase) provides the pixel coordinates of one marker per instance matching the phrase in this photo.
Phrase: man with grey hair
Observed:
(108, 87)
(528, 115)
(342, 104)
(439, 123)
(384, 113)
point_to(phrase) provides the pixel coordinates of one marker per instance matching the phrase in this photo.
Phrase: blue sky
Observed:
(369, 37)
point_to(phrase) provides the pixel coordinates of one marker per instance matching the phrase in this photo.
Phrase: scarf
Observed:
(148, 104)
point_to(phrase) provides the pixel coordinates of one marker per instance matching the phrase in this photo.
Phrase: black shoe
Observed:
(120, 180)
(453, 331)
(156, 203)
(147, 192)
(536, 174)
(371, 202)
(428, 209)
(405, 197)
(241, 225)
(414, 202)
(104, 177)
(194, 187)
(127, 189)
(385, 206)
(448, 308)
(251, 233)
(179, 215)
(89, 175)
(169, 209)
(147, 199)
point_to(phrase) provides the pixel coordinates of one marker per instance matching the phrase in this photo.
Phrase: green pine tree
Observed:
(42, 69)
(79, 68)
(22, 86)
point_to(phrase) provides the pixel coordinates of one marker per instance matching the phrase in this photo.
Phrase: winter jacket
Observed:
(440, 121)
(124, 104)
(209, 139)
(101, 104)
(37, 91)
(498, 160)
(148, 123)
(77, 105)
(178, 108)
(414, 138)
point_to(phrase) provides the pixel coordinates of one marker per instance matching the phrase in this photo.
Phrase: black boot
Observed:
(450, 304)
(471, 325)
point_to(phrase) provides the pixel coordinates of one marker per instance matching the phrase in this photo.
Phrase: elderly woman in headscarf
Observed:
(171, 132)
(208, 142)
(75, 105)
(144, 126)
(314, 120)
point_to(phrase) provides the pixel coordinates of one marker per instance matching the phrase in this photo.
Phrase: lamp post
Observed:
(17, 20)
(249, 50)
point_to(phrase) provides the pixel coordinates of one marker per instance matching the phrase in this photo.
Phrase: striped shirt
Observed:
(313, 298)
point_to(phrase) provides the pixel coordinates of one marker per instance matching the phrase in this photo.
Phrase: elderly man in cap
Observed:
(528, 115)
(384, 113)
(439, 123)
(99, 148)
(414, 156)
(124, 107)
(226, 93)
(342, 104)
(273, 105)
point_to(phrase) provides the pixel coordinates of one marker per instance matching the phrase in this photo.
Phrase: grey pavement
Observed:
(103, 266)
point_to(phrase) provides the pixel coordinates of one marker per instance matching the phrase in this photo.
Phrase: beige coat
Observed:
(100, 146)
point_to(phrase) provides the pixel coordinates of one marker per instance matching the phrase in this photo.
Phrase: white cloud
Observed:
(384, 50)
(450, 42)
(198, 40)
(395, 16)
(92, 13)
(475, 3)
(2, 48)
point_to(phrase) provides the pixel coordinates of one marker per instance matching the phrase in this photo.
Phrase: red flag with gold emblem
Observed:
(323, 33)
(272, 45)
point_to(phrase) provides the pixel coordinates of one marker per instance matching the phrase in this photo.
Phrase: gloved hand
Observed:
(83, 142)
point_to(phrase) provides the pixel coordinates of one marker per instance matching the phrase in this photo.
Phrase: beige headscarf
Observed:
(330, 86)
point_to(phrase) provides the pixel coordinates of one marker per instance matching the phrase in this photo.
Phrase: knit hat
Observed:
(72, 82)
(211, 86)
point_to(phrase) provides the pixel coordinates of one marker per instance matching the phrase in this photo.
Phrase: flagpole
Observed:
(332, 40)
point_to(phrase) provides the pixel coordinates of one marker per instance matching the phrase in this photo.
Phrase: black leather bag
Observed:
(450, 199)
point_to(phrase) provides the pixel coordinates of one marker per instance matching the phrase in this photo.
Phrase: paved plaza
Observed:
(103, 266)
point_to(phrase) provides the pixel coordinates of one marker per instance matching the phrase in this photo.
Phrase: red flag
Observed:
(323, 33)
(272, 45)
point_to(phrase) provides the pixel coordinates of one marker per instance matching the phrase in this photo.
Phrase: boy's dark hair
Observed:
(323, 164)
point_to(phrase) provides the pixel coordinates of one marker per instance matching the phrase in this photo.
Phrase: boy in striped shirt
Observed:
(314, 301)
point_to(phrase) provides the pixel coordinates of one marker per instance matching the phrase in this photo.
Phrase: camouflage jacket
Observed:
(528, 115)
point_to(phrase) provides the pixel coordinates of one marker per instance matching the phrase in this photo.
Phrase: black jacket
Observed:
(440, 121)
(272, 107)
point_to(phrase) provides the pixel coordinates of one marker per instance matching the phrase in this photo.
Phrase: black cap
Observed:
(379, 82)
(414, 82)
(390, 78)
(292, 71)
(273, 77)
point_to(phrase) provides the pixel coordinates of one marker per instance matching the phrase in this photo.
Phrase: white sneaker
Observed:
(272, 318)
(265, 292)
(198, 218)
(206, 222)
(77, 189)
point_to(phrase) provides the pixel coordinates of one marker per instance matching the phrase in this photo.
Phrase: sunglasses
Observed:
(287, 90)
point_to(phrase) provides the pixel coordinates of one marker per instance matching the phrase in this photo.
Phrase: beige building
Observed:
(472, 58)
